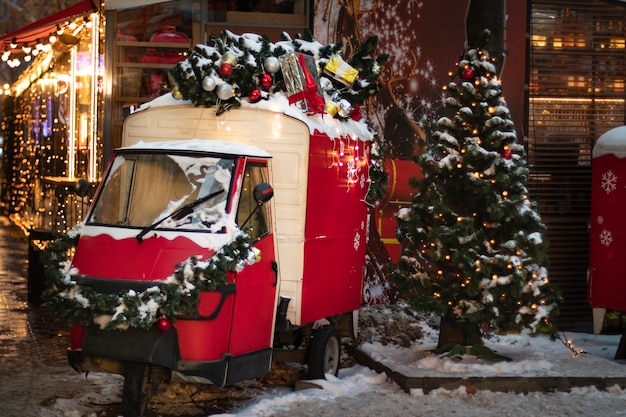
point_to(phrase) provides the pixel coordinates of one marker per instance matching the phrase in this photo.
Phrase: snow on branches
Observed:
(471, 219)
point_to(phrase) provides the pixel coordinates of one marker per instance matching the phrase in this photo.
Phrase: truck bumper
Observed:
(107, 351)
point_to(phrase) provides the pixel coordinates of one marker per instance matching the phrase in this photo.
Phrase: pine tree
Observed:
(476, 246)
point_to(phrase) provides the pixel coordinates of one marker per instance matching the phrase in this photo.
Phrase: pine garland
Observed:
(251, 51)
(177, 295)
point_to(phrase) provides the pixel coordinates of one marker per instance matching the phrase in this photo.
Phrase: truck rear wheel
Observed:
(136, 391)
(324, 353)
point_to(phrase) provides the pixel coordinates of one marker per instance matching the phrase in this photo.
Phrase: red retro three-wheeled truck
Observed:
(173, 203)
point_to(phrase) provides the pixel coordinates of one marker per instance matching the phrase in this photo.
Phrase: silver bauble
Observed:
(345, 108)
(208, 83)
(271, 64)
(376, 68)
(224, 91)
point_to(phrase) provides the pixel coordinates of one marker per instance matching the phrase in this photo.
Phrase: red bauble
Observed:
(226, 69)
(507, 154)
(163, 324)
(266, 80)
(356, 113)
(255, 95)
(467, 73)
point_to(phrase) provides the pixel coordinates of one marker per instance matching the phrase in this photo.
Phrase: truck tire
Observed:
(324, 353)
(136, 390)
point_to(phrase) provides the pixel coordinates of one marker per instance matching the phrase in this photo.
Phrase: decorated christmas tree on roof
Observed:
(475, 250)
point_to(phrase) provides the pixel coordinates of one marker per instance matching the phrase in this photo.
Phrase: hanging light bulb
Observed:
(52, 39)
(27, 58)
(26, 48)
(13, 43)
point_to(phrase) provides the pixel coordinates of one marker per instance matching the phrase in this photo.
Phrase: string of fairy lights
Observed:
(17, 51)
(52, 143)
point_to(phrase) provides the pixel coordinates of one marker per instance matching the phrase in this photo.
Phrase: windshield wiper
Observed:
(182, 212)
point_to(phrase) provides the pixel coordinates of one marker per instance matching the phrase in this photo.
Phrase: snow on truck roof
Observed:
(278, 103)
(298, 73)
(203, 145)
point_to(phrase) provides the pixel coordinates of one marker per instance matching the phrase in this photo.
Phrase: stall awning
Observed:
(43, 28)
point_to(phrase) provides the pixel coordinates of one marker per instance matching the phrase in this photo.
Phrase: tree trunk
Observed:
(455, 332)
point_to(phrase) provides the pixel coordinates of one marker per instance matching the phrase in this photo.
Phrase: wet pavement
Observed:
(32, 342)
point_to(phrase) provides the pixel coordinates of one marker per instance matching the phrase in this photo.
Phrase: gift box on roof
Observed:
(340, 70)
(302, 82)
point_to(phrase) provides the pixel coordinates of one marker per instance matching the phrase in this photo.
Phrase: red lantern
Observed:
(467, 73)
(507, 154)
(266, 80)
(163, 324)
(226, 69)
(255, 95)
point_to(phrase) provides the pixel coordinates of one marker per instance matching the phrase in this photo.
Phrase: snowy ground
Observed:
(402, 343)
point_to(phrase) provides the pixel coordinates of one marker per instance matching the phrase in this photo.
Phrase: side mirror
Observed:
(82, 187)
(263, 193)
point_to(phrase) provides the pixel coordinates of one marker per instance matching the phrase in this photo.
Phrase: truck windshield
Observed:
(143, 188)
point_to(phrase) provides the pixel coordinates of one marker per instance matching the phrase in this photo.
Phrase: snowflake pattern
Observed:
(609, 182)
(357, 241)
(606, 238)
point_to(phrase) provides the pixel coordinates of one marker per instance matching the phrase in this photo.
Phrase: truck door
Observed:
(255, 296)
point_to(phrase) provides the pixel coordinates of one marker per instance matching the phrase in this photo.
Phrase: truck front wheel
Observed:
(324, 353)
(136, 391)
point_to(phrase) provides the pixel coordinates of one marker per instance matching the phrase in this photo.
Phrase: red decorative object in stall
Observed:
(168, 34)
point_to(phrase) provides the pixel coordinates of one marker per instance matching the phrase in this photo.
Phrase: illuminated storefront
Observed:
(87, 70)
(53, 133)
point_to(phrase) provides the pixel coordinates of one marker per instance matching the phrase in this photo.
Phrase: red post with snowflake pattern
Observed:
(607, 229)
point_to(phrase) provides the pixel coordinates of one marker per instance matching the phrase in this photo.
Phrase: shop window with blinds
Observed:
(576, 92)
(265, 17)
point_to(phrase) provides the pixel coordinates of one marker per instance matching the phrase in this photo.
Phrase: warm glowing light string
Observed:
(570, 345)
(14, 55)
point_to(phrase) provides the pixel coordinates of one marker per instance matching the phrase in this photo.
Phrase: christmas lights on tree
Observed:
(474, 243)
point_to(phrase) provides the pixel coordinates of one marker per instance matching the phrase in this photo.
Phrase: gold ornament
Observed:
(176, 94)
(331, 108)
(229, 57)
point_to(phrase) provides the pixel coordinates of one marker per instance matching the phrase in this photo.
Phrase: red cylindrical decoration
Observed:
(77, 333)
(607, 229)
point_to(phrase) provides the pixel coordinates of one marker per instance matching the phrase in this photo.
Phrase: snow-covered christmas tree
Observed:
(474, 242)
